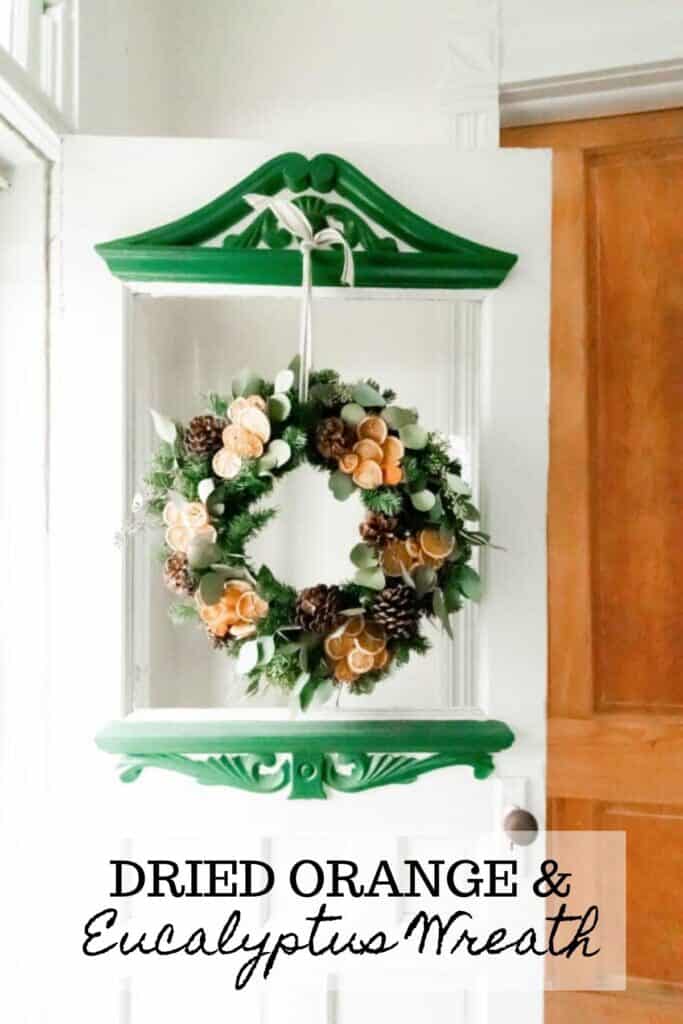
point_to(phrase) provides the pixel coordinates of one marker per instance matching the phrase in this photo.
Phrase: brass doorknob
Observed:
(520, 826)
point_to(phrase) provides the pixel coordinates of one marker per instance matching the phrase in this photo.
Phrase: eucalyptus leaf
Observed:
(350, 612)
(341, 485)
(279, 407)
(298, 687)
(324, 691)
(307, 692)
(281, 450)
(211, 587)
(436, 511)
(363, 556)
(284, 381)
(246, 383)
(366, 395)
(440, 610)
(457, 484)
(423, 501)
(471, 511)
(396, 417)
(407, 577)
(266, 647)
(352, 413)
(413, 436)
(373, 579)
(266, 463)
(205, 488)
(469, 582)
(165, 428)
(248, 657)
(202, 552)
(425, 580)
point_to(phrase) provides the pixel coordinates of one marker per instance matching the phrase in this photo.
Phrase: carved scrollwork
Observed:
(256, 773)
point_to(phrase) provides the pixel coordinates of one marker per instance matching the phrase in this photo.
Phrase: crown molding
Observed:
(621, 90)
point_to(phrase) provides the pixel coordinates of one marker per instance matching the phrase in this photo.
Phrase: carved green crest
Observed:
(413, 254)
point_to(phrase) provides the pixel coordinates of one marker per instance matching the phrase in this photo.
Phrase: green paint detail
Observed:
(176, 251)
(348, 757)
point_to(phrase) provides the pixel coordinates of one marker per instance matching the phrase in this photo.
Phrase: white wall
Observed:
(366, 71)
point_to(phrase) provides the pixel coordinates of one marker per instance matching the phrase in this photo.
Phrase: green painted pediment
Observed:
(393, 247)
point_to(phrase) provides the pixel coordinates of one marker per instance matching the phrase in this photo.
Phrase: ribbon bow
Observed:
(292, 219)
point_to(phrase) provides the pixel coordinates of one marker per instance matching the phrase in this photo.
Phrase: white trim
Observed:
(201, 290)
(26, 108)
(622, 90)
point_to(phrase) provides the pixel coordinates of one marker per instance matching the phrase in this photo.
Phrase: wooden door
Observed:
(615, 755)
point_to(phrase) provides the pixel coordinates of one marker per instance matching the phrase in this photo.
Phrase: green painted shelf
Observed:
(347, 756)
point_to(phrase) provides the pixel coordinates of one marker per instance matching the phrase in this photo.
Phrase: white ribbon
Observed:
(292, 219)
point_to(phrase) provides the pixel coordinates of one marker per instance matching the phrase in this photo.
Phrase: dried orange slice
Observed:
(393, 449)
(172, 515)
(226, 464)
(343, 673)
(178, 538)
(348, 463)
(436, 544)
(257, 402)
(338, 645)
(237, 408)
(360, 661)
(256, 421)
(394, 557)
(381, 659)
(247, 606)
(372, 640)
(368, 449)
(368, 474)
(242, 442)
(242, 629)
(374, 428)
(194, 515)
(355, 626)
(391, 474)
(412, 547)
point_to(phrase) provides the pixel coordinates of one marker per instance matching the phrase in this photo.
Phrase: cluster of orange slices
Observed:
(237, 612)
(375, 458)
(185, 522)
(357, 647)
(429, 547)
(244, 437)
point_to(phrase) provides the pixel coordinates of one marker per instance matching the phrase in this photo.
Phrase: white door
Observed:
(477, 367)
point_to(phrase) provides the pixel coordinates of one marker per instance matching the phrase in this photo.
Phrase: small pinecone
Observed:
(397, 609)
(204, 435)
(332, 438)
(318, 609)
(177, 575)
(378, 529)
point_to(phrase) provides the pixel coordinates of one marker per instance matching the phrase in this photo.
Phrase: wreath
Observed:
(416, 538)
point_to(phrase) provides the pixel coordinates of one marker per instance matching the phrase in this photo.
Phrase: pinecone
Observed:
(332, 438)
(318, 609)
(204, 435)
(177, 575)
(378, 529)
(397, 609)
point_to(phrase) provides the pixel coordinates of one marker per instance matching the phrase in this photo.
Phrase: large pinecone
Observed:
(178, 576)
(204, 435)
(396, 608)
(332, 438)
(318, 609)
(378, 529)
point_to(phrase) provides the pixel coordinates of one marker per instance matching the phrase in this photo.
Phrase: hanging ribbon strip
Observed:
(292, 219)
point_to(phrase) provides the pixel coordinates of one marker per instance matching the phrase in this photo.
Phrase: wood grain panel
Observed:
(654, 837)
(614, 757)
(638, 1005)
(636, 293)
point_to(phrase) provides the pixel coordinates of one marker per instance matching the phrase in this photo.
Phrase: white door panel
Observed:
(476, 368)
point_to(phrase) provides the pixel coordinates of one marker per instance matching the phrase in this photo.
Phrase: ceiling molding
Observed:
(622, 90)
